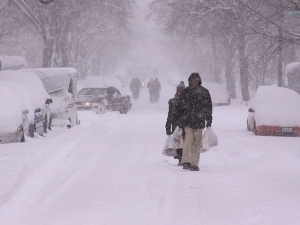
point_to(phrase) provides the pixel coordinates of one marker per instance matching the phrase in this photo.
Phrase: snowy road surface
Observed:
(110, 170)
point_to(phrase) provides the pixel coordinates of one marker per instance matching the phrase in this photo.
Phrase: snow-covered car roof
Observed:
(218, 93)
(11, 108)
(55, 80)
(276, 106)
(32, 82)
(52, 72)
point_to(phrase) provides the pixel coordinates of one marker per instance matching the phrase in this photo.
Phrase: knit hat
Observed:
(180, 86)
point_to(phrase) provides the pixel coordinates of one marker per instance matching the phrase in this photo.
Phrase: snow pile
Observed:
(12, 62)
(11, 108)
(276, 106)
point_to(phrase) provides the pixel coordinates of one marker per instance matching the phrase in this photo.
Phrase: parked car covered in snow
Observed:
(102, 99)
(274, 111)
(219, 94)
(13, 115)
(61, 85)
(31, 91)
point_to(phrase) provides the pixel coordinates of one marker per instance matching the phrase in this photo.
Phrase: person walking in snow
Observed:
(193, 111)
(135, 87)
(171, 123)
(151, 87)
(156, 90)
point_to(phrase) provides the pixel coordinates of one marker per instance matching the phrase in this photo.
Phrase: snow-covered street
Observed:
(110, 170)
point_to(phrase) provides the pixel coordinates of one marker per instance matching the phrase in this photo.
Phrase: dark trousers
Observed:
(179, 154)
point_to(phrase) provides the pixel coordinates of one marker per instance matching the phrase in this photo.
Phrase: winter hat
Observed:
(180, 86)
(195, 76)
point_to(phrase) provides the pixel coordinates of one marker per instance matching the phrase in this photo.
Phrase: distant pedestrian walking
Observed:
(151, 87)
(135, 87)
(157, 88)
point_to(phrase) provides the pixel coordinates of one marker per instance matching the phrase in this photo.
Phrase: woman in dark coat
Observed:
(172, 122)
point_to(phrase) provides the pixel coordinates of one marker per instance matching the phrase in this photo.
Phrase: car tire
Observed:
(101, 108)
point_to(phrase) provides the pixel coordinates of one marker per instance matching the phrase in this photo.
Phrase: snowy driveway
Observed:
(109, 170)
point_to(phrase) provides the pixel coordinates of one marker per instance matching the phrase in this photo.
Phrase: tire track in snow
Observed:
(48, 179)
(175, 186)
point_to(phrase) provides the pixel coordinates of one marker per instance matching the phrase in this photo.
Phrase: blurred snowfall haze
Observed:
(148, 45)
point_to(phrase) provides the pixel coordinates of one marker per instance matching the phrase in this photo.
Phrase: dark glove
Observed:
(168, 132)
(208, 123)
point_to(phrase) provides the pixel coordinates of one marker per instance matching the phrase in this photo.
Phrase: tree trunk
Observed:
(64, 47)
(216, 74)
(244, 73)
(230, 80)
(243, 64)
(47, 53)
(229, 45)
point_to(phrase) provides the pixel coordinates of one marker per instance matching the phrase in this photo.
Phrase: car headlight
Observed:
(87, 103)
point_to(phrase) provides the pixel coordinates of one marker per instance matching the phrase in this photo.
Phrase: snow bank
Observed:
(276, 106)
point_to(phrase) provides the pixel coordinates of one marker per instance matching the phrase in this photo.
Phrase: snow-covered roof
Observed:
(52, 72)
(276, 106)
(54, 79)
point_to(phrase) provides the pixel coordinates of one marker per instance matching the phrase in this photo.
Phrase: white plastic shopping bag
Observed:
(212, 137)
(176, 141)
(204, 144)
(167, 151)
(209, 140)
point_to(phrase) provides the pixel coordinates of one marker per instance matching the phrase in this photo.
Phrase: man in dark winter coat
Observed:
(156, 89)
(193, 110)
(171, 123)
(151, 87)
(135, 87)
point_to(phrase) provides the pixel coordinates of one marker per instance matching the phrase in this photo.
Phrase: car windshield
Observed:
(93, 91)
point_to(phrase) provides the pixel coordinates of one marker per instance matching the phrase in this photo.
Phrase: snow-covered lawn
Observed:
(109, 170)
